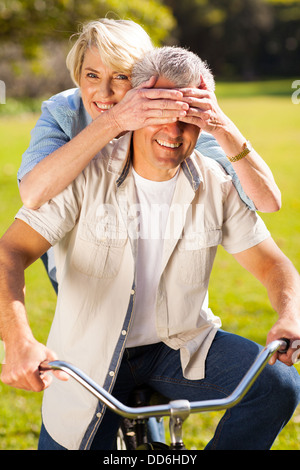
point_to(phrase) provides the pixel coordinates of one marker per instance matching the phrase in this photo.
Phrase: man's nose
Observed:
(174, 129)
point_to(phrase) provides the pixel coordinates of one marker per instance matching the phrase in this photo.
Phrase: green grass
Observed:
(281, 87)
(266, 115)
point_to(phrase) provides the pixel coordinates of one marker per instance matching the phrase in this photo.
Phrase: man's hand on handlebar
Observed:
(21, 367)
(290, 330)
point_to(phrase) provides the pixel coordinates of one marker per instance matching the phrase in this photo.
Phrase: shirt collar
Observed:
(192, 171)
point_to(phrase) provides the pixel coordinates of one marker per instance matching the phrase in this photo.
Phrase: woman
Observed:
(76, 124)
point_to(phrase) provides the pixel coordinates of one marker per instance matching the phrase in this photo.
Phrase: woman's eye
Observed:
(121, 76)
(92, 75)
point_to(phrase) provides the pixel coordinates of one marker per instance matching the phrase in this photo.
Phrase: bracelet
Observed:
(247, 149)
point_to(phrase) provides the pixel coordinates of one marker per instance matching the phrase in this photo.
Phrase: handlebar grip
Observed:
(285, 347)
(44, 366)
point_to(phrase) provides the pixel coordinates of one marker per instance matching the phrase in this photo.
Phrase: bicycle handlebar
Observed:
(177, 407)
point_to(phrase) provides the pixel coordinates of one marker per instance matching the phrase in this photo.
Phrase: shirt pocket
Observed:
(99, 249)
(196, 253)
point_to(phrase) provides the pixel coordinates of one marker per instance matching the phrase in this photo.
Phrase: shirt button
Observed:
(132, 292)
(124, 332)
(111, 373)
(98, 415)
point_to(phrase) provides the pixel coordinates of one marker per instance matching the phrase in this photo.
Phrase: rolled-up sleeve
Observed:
(242, 228)
(57, 217)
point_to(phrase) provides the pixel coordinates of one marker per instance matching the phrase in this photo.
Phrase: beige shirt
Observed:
(93, 225)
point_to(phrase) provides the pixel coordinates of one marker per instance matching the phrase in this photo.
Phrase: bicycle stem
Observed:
(180, 410)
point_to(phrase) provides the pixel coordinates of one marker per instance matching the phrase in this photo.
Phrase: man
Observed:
(135, 238)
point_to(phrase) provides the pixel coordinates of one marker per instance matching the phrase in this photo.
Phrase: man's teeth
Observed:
(103, 106)
(168, 144)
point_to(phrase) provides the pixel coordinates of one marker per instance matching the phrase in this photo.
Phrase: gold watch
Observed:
(247, 147)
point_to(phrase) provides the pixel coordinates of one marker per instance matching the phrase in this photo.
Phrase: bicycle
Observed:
(177, 410)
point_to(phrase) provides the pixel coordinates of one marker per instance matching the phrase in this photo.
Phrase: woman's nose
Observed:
(105, 89)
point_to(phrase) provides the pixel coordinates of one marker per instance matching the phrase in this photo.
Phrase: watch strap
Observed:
(243, 154)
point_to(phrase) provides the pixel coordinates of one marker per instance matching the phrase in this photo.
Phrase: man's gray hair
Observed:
(180, 66)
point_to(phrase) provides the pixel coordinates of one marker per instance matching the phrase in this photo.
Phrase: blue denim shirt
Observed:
(64, 116)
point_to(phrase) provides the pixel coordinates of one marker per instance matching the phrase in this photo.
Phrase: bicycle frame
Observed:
(176, 410)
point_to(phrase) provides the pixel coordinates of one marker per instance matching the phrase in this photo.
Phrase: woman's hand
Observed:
(204, 110)
(147, 106)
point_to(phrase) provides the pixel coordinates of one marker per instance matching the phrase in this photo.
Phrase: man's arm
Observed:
(282, 281)
(20, 247)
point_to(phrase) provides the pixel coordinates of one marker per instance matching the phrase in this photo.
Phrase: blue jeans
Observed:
(253, 424)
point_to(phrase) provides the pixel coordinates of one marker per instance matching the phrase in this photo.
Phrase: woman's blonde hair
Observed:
(120, 43)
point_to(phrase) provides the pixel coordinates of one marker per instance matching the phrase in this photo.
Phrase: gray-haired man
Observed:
(135, 238)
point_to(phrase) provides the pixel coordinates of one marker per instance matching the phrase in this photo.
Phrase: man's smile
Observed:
(169, 145)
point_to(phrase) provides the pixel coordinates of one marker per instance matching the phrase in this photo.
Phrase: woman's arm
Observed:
(57, 170)
(254, 174)
(140, 107)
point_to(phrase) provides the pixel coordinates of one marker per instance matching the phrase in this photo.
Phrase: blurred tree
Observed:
(155, 17)
(241, 38)
(280, 53)
(31, 22)
(34, 37)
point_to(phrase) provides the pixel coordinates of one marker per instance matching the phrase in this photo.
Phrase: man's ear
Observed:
(149, 83)
(202, 85)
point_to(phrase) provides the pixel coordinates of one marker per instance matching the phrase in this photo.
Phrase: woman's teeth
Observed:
(103, 106)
